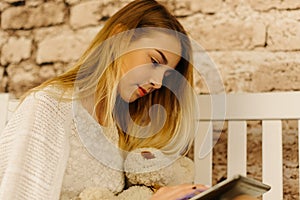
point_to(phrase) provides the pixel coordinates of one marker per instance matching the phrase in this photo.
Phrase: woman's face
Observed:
(148, 60)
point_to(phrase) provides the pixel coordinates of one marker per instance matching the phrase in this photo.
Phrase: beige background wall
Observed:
(255, 44)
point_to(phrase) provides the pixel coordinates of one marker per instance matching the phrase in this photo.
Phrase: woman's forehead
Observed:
(158, 40)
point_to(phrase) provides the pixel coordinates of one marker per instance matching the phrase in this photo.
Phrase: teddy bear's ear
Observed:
(150, 167)
(145, 160)
(147, 154)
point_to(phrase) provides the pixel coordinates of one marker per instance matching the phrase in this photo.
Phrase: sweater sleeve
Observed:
(34, 149)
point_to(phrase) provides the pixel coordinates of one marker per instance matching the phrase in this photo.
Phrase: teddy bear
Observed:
(146, 170)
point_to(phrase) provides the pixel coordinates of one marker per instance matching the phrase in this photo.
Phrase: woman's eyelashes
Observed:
(154, 62)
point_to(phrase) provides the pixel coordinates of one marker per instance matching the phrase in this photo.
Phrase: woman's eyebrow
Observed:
(165, 61)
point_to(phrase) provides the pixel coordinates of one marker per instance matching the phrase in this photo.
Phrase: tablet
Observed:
(230, 188)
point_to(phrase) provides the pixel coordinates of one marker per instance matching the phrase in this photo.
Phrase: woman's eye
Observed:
(154, 62)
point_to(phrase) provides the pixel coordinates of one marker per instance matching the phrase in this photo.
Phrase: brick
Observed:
(80, 18)
(189, 7)
(22, 77)
(31, 17)
(72, 2)
(15, 50)
(47, 72)
(233, 34)
(26, 75)
(277, 76)
(233, 3)
(41, 34)
(107, 10)
(65, 47)
(59, 48)
(180, 8)
(257, 71)
(13, 1)
(3, 80)
(34, 3)
(3, 6)
(206, 6)
(207, 76)
(88, 34)
(264, 5)
(284, 35)
(3, 38)
(98, 10)
(1, 72)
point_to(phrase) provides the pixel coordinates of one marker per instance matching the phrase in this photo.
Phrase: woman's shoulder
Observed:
(50, 96)
(55, 92)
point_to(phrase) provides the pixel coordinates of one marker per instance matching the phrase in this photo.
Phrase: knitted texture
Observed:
(41, 155)
(84, 170)
(34, 149)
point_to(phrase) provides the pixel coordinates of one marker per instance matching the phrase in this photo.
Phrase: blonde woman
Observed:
(73, 131)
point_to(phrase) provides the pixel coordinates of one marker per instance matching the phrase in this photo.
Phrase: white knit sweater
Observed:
(43, 157)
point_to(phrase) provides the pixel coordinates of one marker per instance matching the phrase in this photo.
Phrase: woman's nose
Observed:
(155, 85)
(157, 79)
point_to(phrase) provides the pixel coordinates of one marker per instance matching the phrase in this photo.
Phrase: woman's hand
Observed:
(185, 192)
(244, 197)
(178, 192)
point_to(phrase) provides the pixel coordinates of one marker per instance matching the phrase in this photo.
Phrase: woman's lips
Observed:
(142, 91)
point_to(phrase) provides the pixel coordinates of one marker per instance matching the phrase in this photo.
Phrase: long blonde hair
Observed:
(97, 73)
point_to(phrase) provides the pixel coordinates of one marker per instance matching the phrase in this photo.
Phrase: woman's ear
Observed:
(117, 29)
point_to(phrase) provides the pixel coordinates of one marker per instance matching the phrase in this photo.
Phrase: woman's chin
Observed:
(130, 99)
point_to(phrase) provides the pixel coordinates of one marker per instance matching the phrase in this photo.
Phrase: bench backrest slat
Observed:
(237, 109)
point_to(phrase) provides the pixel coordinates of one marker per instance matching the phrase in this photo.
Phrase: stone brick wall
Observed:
(254, 44)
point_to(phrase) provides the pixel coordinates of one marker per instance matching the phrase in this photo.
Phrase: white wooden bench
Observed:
(271, 108)
(237, 109)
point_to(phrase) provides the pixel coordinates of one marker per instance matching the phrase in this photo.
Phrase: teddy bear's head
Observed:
(151, 167)
(147, 167)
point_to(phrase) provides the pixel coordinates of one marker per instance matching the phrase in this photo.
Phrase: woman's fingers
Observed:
(178, 192)
(244, 197)
(185, 192)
